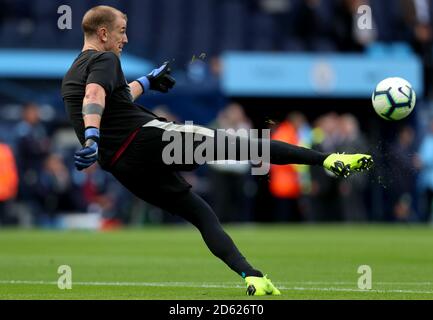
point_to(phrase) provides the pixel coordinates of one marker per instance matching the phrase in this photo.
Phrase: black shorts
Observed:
(141, 168)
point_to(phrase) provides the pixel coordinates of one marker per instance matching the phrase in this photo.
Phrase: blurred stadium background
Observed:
(301, 68)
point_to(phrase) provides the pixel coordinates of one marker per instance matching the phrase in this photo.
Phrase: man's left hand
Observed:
(158, 79)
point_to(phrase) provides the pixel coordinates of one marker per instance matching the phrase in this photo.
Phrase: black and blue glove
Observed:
(158, 80)
(88, 154)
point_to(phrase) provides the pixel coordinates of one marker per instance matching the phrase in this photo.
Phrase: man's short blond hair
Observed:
(100, 16)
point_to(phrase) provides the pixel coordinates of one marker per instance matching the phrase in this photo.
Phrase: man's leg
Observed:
(279, 152)
(194, 209)
(168, 191)
(282, 153)
(171, 194)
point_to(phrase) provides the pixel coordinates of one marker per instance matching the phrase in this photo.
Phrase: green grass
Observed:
(304, 261)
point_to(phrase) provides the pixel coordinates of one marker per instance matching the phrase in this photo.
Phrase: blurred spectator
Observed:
(403, 183)
(57, 190)
(304, 133)
(302, 127)
(353, 189)
(325, 188)
(418, 18)
(230, 181)
(426, 174)
(32, 140)
(8, 183)
(284, 182)
(32, 146)
(101, 194)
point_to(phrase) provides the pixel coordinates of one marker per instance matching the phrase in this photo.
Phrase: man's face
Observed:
(116, 37)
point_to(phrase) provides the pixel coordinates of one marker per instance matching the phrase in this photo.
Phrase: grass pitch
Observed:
(304, 261)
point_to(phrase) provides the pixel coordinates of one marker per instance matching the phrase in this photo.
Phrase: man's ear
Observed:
(103, 34)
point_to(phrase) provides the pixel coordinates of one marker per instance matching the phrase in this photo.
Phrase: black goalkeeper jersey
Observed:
(121, 115)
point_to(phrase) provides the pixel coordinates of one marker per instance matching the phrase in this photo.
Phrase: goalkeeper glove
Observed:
(88, 154)
(159, 79)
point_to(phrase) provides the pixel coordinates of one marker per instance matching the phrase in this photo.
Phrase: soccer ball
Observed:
(393, 98)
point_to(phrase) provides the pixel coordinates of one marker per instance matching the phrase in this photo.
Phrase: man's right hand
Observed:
(88, 154)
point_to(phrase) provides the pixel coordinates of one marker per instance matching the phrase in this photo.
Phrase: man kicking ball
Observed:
(128, 141)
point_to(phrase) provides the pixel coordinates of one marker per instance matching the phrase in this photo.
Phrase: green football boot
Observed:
(343, 165)
(260, 286)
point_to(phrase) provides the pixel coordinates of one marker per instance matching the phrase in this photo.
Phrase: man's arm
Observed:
(93, 108)
(136, 90)
(159, 80)
(93, 105)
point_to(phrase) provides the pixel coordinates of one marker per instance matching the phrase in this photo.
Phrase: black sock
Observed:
(240, 265)
(280, 152)
(284, 153)
(252, 273)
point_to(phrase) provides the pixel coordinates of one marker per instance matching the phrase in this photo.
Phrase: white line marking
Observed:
(215, 285)
(360, 290)
(411, 283)
(128, 284)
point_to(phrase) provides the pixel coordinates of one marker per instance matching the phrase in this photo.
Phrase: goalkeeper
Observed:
(126, 139)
